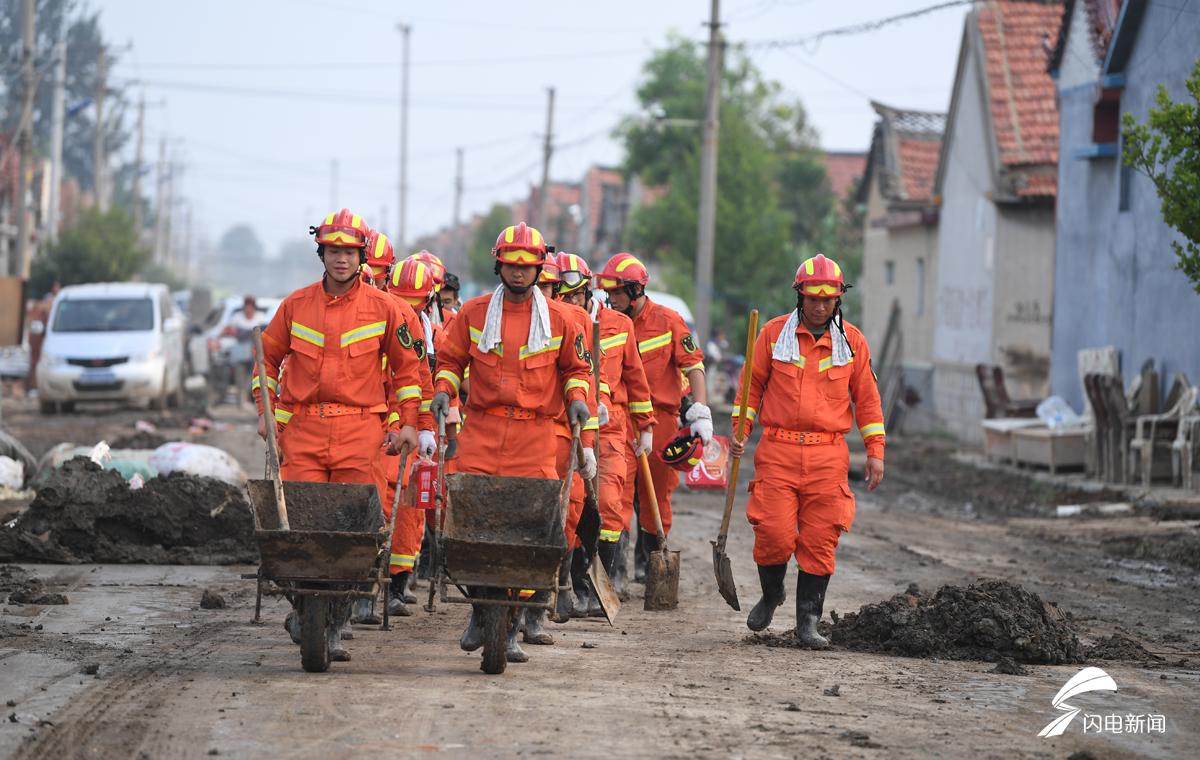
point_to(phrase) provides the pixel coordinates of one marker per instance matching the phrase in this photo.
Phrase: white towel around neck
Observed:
(787, 346)
(539, 323)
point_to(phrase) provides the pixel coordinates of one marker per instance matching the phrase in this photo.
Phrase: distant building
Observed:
(844, 170)
(1116, 281)
(997, 181)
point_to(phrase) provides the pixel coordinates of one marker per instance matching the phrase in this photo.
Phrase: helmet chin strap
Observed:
(519, 290)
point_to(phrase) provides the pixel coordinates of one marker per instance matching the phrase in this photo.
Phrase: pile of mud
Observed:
(19, 587)
(139, 440)
(87, 514)
(1182, 547)
(985, 621)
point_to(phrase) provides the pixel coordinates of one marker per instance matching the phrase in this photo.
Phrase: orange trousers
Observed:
(666, 479)
(577, 488)
(800, 503)
(491, 445)
(615, 454)
(410, 522)
(344, 449)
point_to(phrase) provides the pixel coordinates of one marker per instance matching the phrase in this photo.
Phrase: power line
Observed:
(852, 29)
(446, 62)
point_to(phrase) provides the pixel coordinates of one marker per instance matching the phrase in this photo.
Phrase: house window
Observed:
(1123, 192)
(889, 272)
(920, 287)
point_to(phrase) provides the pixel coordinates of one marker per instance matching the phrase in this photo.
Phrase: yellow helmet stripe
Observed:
(808, 266)
(535, 236)
(627, 263)
(509, 233)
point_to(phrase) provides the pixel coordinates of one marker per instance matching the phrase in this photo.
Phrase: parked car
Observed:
(112, 342)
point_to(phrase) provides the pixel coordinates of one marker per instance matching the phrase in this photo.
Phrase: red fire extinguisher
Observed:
(424, 483)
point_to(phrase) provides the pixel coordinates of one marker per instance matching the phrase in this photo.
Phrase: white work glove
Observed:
(588, 471)
(440, 406)
(602, 414)
(577, 413)
(701, 418)
(645, 442)
(426, 443)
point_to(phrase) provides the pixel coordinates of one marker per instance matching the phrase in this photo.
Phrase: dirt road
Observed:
(173, 680)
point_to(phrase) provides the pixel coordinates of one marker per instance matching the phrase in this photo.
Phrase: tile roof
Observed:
(844, 171)
(1024, 113)
(918, 159)
(904, 153)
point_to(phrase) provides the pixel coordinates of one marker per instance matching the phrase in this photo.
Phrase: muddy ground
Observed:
(133, 666)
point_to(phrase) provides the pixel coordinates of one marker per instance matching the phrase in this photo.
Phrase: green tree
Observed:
(479, 252)
(99, 248)
(772, 195)
(1167, 150)
(240, 243)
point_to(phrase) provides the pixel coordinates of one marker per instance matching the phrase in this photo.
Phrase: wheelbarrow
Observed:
(336, 551)
(501, 536)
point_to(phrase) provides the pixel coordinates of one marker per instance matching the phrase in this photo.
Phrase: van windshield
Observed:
(104, 315)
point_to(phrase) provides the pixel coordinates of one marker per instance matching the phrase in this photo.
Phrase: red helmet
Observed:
(380, 254)
(342, 228)
(412, 279)
(621, 270)
(684, 451)
(521, 245)
(549, 271)
(820, 277)
(573, 272)
(436, 267)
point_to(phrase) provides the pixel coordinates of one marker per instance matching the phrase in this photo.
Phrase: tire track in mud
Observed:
(131, 712)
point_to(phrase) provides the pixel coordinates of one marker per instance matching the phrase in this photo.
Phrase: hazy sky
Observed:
(258, 97)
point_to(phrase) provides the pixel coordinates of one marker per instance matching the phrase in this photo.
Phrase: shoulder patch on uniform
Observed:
(688, 343)
(404, 336)
(418, 347)
(580, 349)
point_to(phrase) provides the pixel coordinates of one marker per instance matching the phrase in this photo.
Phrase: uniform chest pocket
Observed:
(536, 369)
(487, 359)
(836, 385)
(787, 369)
(363, 357)
(304, 353)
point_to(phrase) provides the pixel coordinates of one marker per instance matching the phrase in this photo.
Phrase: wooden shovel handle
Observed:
(747, 371)
(652, 500)
(264, 393)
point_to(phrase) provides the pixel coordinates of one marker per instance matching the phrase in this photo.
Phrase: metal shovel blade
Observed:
(662, 581)
(603, 589)
(588, 529)
(724, 573)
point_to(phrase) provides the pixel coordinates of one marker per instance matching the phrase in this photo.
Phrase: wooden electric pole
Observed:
(706, 231)
(547, 150)
(459, 259)
(24, 248)
(137, 167)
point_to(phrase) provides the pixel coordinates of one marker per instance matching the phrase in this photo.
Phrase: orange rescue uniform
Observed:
(516, 396)
(626, 393)
(800, 498)
(587, 435)
(668, 351)
(331, 410)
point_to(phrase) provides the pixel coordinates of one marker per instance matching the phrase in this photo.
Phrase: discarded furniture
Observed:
(1185, 445)
(1120, 425)
(1098, 456)
(1157, 433)
(1053, 448)
(995, 395)
(998, 436)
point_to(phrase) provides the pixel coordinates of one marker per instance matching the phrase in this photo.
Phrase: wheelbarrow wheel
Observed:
(493, 619)
(314, 644)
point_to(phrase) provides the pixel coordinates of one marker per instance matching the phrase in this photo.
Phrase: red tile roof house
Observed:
(995, 187)
(900, 241)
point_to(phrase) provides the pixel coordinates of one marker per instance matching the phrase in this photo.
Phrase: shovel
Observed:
(439, 509)
(597, 575)
(725, 582)
(269, 424)
(662, 567)
(588, 529)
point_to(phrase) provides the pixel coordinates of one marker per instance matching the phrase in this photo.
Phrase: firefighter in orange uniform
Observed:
(381, 257)
(625, 405)
(334, 335)
(669, 352)
(810, 367)
(527, 359)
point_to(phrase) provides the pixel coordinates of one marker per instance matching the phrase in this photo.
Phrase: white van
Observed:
(119, 341)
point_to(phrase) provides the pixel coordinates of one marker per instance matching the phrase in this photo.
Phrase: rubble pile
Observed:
(985, 621)
(84, 513)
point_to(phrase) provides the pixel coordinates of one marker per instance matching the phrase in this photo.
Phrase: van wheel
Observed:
(67, 407)
(47, 407)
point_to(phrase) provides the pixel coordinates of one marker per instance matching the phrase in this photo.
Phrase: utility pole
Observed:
(458, 253)
(137, 167)
(99, 154)
(706, 231)
(402, 209)
(547, 150)
(333, 185)
(24, 248)
(160, 202)
(57, 126)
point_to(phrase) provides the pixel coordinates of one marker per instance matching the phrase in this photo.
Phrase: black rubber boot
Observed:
(535, 621)
(640, 555)
(291, 624)
(608, 556)
(396, 605)
(562, 609)
(810, 602)
(579, 582)
(512, 650)
(472, 637)
(619, 575)
(405, 579)
(770, 577)
(337, 652)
